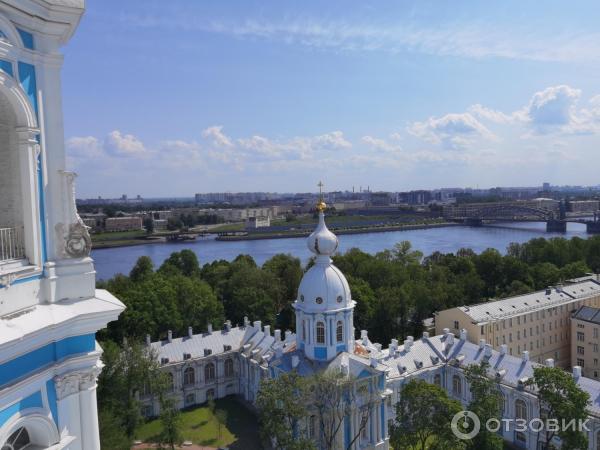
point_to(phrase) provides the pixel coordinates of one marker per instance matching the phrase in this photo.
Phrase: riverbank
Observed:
(338, 231)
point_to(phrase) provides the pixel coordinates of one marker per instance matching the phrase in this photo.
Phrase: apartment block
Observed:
(585, 342)
(539, 323)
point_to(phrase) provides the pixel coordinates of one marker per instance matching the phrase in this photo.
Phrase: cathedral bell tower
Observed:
(324, 306)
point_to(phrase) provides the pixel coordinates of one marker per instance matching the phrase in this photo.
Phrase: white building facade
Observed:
(233, 361)
(49, 307)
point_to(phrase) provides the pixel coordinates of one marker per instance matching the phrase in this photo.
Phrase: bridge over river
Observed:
(540, 210)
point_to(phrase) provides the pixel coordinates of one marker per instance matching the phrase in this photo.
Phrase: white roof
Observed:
(512, 306)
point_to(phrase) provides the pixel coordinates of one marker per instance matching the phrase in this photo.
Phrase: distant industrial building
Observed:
(129, 223)
(257, 222)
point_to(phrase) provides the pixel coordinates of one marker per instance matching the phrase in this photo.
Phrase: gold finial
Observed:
(321, 205)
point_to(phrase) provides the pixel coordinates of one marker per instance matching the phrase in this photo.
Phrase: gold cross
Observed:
(320, 188)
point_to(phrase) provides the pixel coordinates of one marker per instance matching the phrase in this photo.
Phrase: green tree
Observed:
(184, 262)
(221, 416)
(127, 371)
(282, 406)
(149, 225)
(170, 419)
(563, 401)
(112, 433)
(487, 402)
(143, 268)
(423, 417)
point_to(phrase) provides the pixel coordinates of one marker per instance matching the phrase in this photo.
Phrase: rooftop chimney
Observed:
(463, 335)
(481, 343)
(148, 339)
(246, 321)
(170, 336)
(256, 324)
(209, 328)
(503, 349)
(549, 362)
(393, 347)
(295, 361)
(228, 325)
(407, 345)
(277, 335)
(446, 331)
(364, 336)
(190, 332)
(576, 372)
(425, 335)
(487, 351)
(267, 330)
(525, 356)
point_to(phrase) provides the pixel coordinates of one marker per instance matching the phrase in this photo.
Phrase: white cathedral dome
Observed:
(323, 287)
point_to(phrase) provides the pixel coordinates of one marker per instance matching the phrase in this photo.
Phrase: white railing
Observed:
(11, 244)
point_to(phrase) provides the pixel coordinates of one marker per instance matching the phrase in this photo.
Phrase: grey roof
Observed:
(70, 3)
(588, 314)
(508, 307)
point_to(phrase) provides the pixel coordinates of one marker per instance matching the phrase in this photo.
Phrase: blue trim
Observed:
(27, 80)
(340, 348)
(46, 355)
(33, 401)
(347, 431)
(27, 38)
(320, 352)
(364, 374)
(6, 67)
(51, 393)
(382, 417)
(42, 201)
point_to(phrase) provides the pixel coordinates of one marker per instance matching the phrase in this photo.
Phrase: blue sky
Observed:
(177, 97)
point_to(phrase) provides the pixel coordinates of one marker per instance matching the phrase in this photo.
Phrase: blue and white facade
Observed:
(234, 360)
(49, 307)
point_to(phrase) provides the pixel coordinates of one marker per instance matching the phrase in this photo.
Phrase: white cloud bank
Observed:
(555, 124)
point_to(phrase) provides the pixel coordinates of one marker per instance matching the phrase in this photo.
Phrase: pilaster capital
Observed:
(28, 135)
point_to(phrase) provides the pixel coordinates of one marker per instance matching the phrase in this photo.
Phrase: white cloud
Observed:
(119, 144)
(490, 114)
(381, 144)
(462, 39)
(84, 147)
(452, 130)
(217, 137)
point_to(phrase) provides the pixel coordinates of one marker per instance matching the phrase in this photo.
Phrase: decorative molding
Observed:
(73, 241)
(74, 382)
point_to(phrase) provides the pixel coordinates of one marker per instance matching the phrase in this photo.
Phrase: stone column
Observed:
(90, 431)
(69, 413)
(29, 151)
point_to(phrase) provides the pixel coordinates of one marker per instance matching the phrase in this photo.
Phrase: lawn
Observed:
(200, 426)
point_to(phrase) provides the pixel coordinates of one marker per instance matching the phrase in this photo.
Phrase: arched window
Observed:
(170, 381)
(190, 399)
(18, 440)
(210, 394)
(520, 409)
(456, 386)
(520, 413)
(229, 367)
(320, 333)
(209, 372)
(189, 377)
(312, 427)
(339, 331)
(437, 379)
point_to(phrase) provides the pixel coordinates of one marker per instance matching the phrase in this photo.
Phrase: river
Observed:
(111, 261)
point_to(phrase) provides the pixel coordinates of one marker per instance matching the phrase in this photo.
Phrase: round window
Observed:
(339, 299)
(319, 300)
(302, 297)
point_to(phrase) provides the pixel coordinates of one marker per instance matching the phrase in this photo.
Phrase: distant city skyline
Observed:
(168, 99)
